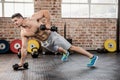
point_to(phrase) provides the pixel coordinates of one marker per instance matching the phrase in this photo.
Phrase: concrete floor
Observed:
(50, 67)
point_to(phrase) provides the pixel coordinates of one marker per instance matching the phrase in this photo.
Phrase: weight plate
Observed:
(31, 44)
(110, 45)
(15, 45)
(4, 46)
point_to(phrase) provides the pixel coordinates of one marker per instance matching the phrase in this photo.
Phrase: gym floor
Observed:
(50, 67)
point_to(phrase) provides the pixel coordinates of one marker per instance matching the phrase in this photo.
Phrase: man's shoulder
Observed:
(23, 32)
(42, 11)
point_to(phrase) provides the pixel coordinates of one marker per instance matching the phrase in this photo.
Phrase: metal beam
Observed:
(118, 28)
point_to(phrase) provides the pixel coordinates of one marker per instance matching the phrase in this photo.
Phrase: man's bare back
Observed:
(33, 30)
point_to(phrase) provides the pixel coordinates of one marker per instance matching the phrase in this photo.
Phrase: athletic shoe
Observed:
(92, 61)
(65, 56)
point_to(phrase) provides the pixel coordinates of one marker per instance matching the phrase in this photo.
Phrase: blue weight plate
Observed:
(4, 46)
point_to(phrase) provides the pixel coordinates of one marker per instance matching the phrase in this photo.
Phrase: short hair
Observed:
(18, 15)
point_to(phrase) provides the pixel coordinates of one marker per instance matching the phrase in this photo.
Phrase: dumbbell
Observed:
(35, 52)
(53, 28)
(43, 27)
(17, 67)
(19, 53)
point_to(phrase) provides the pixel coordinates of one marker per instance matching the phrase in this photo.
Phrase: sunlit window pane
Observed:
(104, 1)
(29, 9)
(78, 11)
(75, 1)
(19, 8)
(25, 9)
(103, 11)
(20, 0)
(66, 10)
(75, 10)
(9, 9)
(0, 9)
(89, 8)
(79, 1)
(66, 1)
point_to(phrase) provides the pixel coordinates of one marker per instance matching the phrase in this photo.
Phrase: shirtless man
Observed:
(30, 27)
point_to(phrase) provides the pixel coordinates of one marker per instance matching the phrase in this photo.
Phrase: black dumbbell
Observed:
(53, 28)
(25, 65)
(43, 27)
(17, 67)
(35, 52)
(19, 53)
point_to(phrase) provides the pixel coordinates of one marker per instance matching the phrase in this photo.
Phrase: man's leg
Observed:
(64, 52)
(80, 50)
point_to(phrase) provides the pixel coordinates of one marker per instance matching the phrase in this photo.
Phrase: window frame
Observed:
(90, 4)
(3, 5)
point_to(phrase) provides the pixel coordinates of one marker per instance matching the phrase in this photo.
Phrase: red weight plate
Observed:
(15, 45)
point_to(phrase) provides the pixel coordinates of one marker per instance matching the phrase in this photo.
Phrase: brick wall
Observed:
(7, 30)
(87, 33)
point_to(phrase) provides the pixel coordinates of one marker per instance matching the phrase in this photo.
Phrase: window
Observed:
(103, 11)
(75, 1)
(89, 8)
(75, 9)
(20, 0)
(25, 7)
(0, 9)
(104, 8)
(104, 1)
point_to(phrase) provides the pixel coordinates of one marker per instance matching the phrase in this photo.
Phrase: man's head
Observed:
(17, 19)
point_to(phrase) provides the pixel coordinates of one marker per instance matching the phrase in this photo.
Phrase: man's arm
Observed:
(23, 49)
(44, 16)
